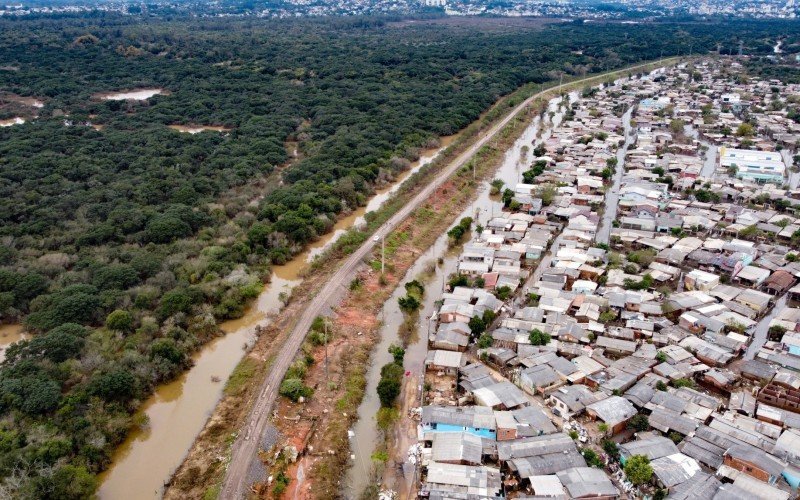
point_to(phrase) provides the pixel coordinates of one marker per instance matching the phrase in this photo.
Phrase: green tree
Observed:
(638, 469)
(68, 482)
(118, 385)
(538, 337)
(116, 276)
(175, 301)
(639, 423)
(476, 325)
(59, 344)
(745, 130)
(120, 320)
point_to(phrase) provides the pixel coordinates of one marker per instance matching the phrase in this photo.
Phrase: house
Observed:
(540, 378)
(571, 400)
(652, 447)
(452, 336)
(447, 362)
(753, 462)
(791, 342)
(587, 482)
(477, 420)
(618, 346)
(448, 480)
(779, 282)
(457, 448)
(700, 280)
(672, 470)
(501, 395)
(547, 486)
(506, 425)
(615, 411)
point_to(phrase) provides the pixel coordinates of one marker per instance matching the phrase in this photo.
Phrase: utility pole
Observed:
(383, 253)
(325, 323)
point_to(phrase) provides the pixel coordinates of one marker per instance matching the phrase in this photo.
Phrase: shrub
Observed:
(294, 389)
(639, 423)
(120, 321)
(611, 448)
(591, 457)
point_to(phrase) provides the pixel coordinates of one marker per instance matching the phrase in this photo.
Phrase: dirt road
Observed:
(244, 451)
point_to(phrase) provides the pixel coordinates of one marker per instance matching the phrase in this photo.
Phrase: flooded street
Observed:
(366, 436)
(612, 196)
(762, 328)
(710, 155)
(177, 411)
(792, 172)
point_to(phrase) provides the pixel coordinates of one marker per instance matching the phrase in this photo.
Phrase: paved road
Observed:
(237, 483)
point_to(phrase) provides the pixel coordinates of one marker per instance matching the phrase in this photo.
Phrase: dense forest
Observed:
(123, 242)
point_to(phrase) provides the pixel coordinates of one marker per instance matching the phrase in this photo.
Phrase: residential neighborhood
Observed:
(629, 326)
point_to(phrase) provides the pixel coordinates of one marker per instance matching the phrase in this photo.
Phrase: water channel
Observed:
(177, 411)
(365, 435)
(612, 197)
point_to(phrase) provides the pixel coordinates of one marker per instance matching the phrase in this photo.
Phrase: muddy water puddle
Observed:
(132, 95)
(196, 129)
(8, 335)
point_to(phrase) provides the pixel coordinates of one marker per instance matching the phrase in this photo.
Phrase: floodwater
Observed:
(759, 337)
(8, 335)
(12, 121)
(794, 174)
(178, 411)
(196, 129)
(134, 95)
(366, 436)
(710, 156)
(612, 197)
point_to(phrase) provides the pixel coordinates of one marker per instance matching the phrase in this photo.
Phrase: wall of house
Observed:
(748, 468)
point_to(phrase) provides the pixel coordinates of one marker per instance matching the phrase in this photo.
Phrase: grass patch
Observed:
(213, 492)
(241, 376)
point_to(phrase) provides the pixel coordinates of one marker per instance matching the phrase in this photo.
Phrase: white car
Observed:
(376, 238)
